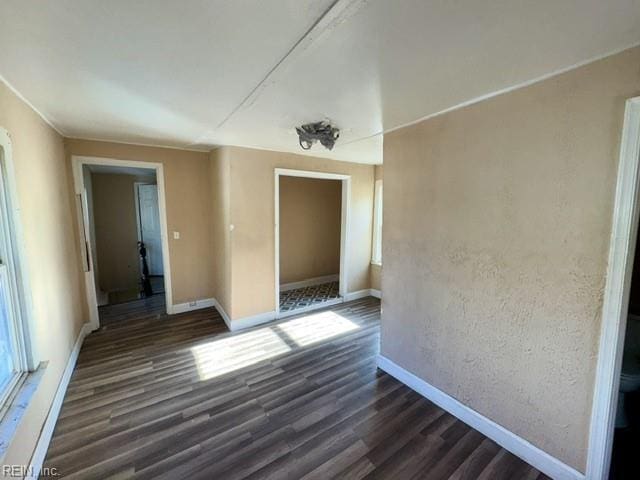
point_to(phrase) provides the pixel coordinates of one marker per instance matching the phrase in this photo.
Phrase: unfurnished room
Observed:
(314, 239)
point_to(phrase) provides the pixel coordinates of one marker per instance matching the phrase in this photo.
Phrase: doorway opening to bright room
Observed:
(311, 229)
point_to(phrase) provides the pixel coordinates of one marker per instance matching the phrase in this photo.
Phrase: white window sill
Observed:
(17, 406)
(378, 264)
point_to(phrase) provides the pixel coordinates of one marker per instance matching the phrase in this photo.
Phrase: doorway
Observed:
(122, 218)
(311, 232)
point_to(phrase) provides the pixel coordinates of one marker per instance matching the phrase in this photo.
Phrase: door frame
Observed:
(84, 233)
(344, 228)
(616, 296)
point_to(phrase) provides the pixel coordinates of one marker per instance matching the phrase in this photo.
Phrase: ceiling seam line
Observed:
(306, 34)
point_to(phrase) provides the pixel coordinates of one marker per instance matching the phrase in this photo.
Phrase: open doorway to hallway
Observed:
(125, 235)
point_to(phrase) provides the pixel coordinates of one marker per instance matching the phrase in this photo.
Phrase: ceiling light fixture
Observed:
(322, 132)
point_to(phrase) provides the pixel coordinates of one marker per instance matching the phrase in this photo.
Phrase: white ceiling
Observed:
(201, 73)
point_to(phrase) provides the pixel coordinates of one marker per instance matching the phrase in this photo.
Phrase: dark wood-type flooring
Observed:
(178, 397)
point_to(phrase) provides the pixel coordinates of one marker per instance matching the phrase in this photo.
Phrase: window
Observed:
(376, 257)
(13, 359)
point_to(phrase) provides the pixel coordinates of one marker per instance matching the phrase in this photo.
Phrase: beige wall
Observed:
(497, 220)
(188, 200)
(310, 219)
(376, 270)
(252, 278)
(53, 260)
(116, 231)
(221, 222)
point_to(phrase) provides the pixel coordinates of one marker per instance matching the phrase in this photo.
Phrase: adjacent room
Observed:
(315, 239)
(124, 237)
(310, 225)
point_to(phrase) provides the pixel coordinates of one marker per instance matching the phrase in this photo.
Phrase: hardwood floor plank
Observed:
(169, 397)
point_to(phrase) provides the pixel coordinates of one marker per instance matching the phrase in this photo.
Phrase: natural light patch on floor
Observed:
(232, 353)
(316, 327)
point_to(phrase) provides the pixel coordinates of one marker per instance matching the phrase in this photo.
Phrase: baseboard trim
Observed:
(531, 454)
(194, 305)
(252, 321)
(358, 295)
(222, 313)
(46, 433)
(310, 282)
(265, 317)
(375, 293)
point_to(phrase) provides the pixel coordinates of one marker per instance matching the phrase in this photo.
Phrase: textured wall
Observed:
(253, 217)
(47, 216)
(497, 223)
(310, 219)
(188, 201)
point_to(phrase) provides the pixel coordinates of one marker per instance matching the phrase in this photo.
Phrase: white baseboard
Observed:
(47, 429)
(310, 282)
(531, 454)
(222, 313)
(358, 295)
(375, 293)
(194, 305)
(252, 321)
(260, 318)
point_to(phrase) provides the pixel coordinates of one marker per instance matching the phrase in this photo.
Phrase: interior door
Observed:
(150, 227)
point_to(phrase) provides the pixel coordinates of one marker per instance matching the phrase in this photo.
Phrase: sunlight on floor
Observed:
(316, 327)
(222, 356)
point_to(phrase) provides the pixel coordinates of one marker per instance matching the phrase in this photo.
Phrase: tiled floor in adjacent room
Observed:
(307, 296)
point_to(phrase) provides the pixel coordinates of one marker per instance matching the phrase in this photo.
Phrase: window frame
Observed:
(14, 278)
(376, 242)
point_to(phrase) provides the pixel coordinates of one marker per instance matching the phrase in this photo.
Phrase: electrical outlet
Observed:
(176, 235)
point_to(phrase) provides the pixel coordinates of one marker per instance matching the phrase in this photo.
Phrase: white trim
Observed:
(358, 294)
(138, 144)
(531, 454)
(77, 163)
(194, 305)
(376, 239)
(38, 112)
(250, 321)
(616, 296)
(496, 93)
(19, 259)
(42, 446)
(375, 293)
(223, 314)
(309, 282)
(265, 317)
(344, 227)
